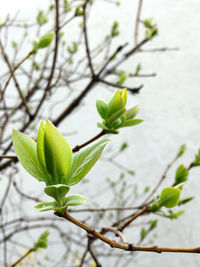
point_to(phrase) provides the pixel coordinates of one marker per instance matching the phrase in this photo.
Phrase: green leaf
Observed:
(45, 40)
(40, 153)
(175, 215)
(197, 159)
(102, 108)
(153, 224)
(45, 206)
(181, 174)
(143, 233)
(155, 206)
(122, 78)
(116, 115)
(42, 241)
(106, 129)
(40, 146)
(115, 103)
(138, 69)
(41, 19)
(181, 150)
(116, 124)
(115, 31)
(132, 112)
(25, 148)
(123, 146)
(129, 123)
(84, 160)
(169, 197)
(57, 192)
(185, 200)
(58, 154)
(75, 200)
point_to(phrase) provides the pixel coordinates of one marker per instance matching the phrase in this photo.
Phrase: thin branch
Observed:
(161, 179)
(116, 232)
(22, 258)
(78, 147)
(131, 89)
(135, 216)
(138, 21)
(86, 38)
(15, 80)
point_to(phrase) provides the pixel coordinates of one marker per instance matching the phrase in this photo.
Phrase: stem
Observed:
(23, 257)
(78, 147)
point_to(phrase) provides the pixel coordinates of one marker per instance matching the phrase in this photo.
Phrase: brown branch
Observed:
(12, 72)
(126, 247)
(138, 20)
(78, 147)
(131, 89)
(135, 216)
(14, 79)
(161, 179)
(23, 257)
(86, 38)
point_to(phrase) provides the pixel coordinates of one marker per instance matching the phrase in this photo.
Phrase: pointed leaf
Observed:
(40, 145)
(185, 200)
(25, 148)
(75, 200)
(84, 160)
(181, 174)
(132, 112)
(57, 192)
(116, 123)
(58, 154)
(115, 103)
(42, 241)
(123, 93)
(169, 197)
(45, 206)
(102, 108)
(40, 153)
(45, 40)
(181, 150)
(116, 115)
(129, 123)
(101, 125)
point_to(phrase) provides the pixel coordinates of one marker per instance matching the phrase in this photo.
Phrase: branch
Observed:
(23, 257)
(86, 38)
(78, 147)
(138, 20)
(126, 247)
(15, 80)
(161, 179)
(132, 90)
(135, 216)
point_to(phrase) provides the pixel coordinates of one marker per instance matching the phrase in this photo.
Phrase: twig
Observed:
(23, 257)
(78, 147)
(86, 38)
(132, 90)
(161, 179)
(135, 216)
(138, 20)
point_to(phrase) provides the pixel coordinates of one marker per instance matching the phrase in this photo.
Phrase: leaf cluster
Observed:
(114, 113)
(50, 160)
